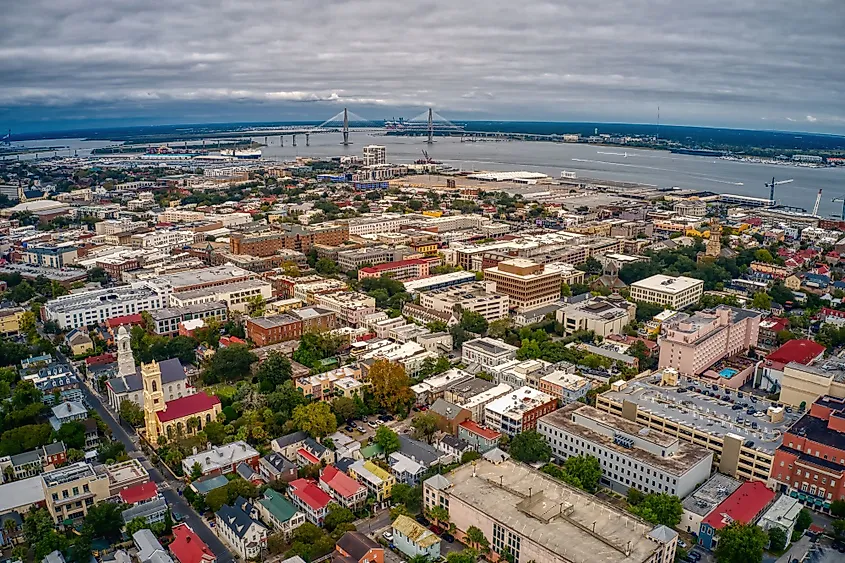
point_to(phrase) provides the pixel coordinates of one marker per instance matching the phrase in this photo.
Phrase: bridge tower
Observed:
(281, 140)
(345, 127)
(308, 139)
(430, 126)
(294, 139)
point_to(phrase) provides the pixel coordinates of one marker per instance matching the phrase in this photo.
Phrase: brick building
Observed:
(272, 330)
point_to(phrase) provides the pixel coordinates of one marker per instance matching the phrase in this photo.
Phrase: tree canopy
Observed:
(530, 447)
(740, 543)
(390, 385)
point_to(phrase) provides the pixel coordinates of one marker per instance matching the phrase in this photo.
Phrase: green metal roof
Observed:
(278, 505)
(371, 451)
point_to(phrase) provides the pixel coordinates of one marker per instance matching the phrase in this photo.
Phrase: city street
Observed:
(168, 487)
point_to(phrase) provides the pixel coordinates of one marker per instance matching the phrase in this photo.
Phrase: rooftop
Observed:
(21, 494)
(418, 534)
(743, 505)
(75, 301)
(570, 523)
(187, 547)
(308, 491)
(667, 284)
(712, 493)
(799, 350)
(475, 428)
(185, 406)
(491, 346)
(704, 413)
(214, 274)
(221, 457)
(680, 458)
(519, 401)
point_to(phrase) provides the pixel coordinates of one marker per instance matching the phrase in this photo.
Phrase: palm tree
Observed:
(475, 537)
(418, 559)
(11, 528)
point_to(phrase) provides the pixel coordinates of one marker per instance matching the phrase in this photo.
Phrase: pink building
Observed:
(693, 345)
(401, 270)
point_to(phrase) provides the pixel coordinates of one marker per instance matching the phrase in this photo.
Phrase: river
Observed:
(658, 168)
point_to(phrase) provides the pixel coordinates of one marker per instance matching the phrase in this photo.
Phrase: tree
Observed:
(228, 364)
(72, 434)
(591, 266)
(408, 496)
(103, 520)
(390, 385)
(387, 439)
(473, 322)
(565, 290)
(777, 538)
(530, 447)
(131, 413)
(97, 275)
(276, 543)
(336, 516)
(646, 311)
(344, 409)
(762, 301)
(326, 267)
(40, 533)
(273, 371)
(215, 432)
(425, 425)
(660, 509)
(635, 496)
(476, 539)
(839, 528)
(465, 556)
(196, 471)
(837, 508)
(763, 255)
(740, 543)
(805, 519)
(135, 525)
(315, 419)
(469, 456)
(439, 514)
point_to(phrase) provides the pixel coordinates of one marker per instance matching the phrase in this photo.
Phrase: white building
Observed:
(518, 411)
(477, 297)
(566, 387)
(350, 306)
(240, 531)
(236, 295)
(95, 307)
(782, 514)
(481, 354)
(162, 239)
(667, 290)
(602, 315)
(630, 454)
(375, 155)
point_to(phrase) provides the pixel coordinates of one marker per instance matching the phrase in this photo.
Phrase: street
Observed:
(167, 487)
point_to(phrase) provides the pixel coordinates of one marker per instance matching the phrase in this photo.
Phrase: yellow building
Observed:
(10, 321)
(79, 342)
(377, 481)
(71, 490)
(792, 282)
(184, 416)
(433, 213)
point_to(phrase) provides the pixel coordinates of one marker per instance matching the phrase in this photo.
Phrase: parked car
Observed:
(421, 519)
(349, 428)
(372, 424)
(447, 537)
(694, 555)
(387, 535)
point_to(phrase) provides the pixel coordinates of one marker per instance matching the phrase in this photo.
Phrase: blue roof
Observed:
(206, 485)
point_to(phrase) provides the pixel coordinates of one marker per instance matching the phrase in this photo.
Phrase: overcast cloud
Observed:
(772, 64)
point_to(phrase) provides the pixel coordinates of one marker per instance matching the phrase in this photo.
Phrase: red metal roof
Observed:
(800, 350)
(391, 265)
(312, 495)
(139, 493)
(309, 457)
(744, 504)
(339, 481)
(472, 426)
(186, 406)
(130, 320)
(106, 358)
(187, 547)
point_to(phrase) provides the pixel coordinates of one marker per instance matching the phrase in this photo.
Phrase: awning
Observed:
(793, 494)
(802, 496)
(826, 505)
(819, 502)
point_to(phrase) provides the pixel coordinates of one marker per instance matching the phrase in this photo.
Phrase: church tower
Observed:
(153, 399)
(714, 243)
(125, 359)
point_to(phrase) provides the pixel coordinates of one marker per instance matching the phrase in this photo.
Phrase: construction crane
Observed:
(841, 216)
(772, 185)
(816, 206)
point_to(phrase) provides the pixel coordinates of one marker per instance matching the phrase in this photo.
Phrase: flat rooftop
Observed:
(93, 298)
(667, 284)
(190, 278)
(53, 274)
(490, 345)
(172, 312)
(711, 494)
(685, 457)
(217, 289)
(571, 523)
(707, 414)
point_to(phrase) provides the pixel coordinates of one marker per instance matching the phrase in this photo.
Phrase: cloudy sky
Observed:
(768, 64)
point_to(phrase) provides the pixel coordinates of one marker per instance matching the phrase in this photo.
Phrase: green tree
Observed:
(135, 525)
(762, 301)
(196, 471)
(315, 419)
(839, 528)
(660, 509)
(387, 439)
(469, 456)
(326, 267)
(777, 538)
(646, 311)
(530, 447)
(439, 514)
(565, 290)
(764, 255)
(804, 521)
(97, 275)
(586, 469)
(591, 266)
(72, 434)
(344, 409)
(477, 540)
(473, 322)
(837, 508)
(104, 521)
(228, 364)
(425, 425)
(215, 432)
(635, 496)
(740, 543)
(336, 516)
(273, 371)
(131, 413)
(408, 496)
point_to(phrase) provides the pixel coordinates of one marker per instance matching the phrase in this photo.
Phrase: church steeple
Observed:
(125, 359)
(153, 399)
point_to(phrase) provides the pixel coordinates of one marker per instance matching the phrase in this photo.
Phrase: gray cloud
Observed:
(717, 63)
